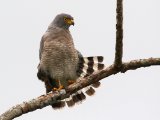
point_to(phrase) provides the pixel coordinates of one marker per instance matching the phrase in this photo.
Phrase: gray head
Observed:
(63, 21)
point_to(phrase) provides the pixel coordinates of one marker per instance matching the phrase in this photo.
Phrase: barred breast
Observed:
(60, 57)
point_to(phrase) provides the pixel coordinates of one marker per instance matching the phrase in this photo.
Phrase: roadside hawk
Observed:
(61, 64)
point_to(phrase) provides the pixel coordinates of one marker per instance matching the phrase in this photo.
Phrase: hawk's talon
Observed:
(58, 89)
(54, 89)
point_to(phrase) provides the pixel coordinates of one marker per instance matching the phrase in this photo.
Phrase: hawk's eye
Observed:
(65, 19)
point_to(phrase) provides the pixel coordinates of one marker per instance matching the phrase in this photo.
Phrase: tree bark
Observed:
(119, 35)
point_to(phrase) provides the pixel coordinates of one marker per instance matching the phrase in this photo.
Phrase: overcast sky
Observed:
(134, 95)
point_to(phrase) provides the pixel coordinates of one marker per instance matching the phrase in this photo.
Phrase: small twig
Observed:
(119, 34)
(134, 64)
(51, 98)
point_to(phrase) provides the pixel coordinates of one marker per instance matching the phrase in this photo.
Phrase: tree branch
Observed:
(50, 98)
(119, 34)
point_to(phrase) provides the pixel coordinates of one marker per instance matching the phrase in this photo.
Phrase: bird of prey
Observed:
(61, 64)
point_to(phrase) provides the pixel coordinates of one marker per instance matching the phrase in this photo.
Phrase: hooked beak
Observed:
(70, 22)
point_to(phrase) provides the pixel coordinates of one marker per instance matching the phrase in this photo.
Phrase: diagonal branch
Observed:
(50, 98)
(119, 34)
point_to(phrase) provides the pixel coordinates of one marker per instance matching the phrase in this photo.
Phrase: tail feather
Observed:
(89, 91)
(88, 65)
(58, 105)
(96, 59)
(75, 98)
(95, 66)
(96, 84)
(78, 97)
(81, 96)
(70, 101)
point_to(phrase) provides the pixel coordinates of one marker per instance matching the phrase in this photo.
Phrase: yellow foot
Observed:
(58, 89)
(71, 82)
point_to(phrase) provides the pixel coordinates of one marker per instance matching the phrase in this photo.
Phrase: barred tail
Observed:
(87, 66)
(78, 97)
(58, 105)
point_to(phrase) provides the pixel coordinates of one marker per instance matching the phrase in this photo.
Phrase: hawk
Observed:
(61, 64)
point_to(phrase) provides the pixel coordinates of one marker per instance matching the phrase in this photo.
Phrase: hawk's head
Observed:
(63, 20)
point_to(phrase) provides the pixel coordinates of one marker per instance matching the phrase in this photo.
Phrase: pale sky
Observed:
(134, 95)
